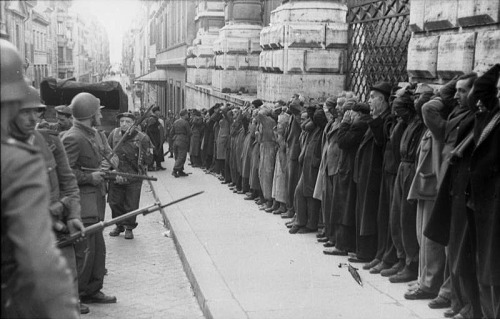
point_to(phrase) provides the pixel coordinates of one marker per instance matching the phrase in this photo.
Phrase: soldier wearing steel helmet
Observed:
(36, 282)
(64, 194)
(85, 148)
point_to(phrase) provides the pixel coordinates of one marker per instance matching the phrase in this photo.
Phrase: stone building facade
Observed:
(452, 37)
(238, 50)
(44, 33)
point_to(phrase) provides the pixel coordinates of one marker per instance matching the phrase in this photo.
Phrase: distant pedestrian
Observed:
(181, 136)
(156, 134)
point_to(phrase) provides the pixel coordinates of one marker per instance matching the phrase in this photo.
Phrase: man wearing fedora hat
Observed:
(135, 153)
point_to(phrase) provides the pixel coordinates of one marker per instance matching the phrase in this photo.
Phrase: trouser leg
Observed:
(180, 158)
(300, 206)
(432, 256)
(91, 257)
(313, 208)
(384, 240)
(395, 219)
(345, 238)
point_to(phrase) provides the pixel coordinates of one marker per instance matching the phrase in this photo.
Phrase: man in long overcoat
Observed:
(350, 134)
(448, 223)
(292, 135)
(368, 173)
(485, 190)
(197, 126)
(267, 153)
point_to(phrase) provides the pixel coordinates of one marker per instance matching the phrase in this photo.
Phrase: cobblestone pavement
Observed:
(145, 274)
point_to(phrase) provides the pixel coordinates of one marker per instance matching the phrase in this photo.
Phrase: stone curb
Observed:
(212, 293)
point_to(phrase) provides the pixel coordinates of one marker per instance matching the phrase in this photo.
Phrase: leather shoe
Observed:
(328, 244)
(84, 309)
(378, 268)
(439, 302)
(240, 192)
(160, 168)
(278, 211)
(99, 297)
(305, 230)
(450, 313)
(393, 270)
(251, 197)
(287, 214)
(294, 229)
(116, 232)
(129, 234)
(322, 239)
(175, 174)
(405, 275)
(419, 294)
(371, 264)
(334, 251)
(182, 174)
(357, 259)
(224, 182)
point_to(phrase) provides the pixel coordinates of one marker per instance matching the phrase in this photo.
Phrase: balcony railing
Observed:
(66, 64)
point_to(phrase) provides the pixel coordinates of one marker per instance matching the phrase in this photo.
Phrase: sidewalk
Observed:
(243, 263)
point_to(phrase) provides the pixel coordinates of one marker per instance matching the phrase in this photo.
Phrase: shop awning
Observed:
(155, 76)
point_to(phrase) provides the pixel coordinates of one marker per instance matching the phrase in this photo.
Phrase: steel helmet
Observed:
(32, 100)
(13, 85)
(84, 105)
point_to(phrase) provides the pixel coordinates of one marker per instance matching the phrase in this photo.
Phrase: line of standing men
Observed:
(407, 184)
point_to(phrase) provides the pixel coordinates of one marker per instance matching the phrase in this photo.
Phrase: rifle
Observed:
(92, 229)
(112, 174)
(133, 127)
(458, 151)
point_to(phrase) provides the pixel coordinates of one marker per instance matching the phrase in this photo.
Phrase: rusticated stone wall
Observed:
(200, 56)
(452, 37)
(237, 47)
(303, 50)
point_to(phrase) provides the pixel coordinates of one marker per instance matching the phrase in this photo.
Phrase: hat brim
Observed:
(386, 93)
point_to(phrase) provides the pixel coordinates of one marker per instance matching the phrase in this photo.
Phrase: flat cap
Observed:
(64, 109)
(126, 114)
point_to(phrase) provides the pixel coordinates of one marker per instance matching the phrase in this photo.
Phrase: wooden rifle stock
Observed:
(92, 229)
(459, 150)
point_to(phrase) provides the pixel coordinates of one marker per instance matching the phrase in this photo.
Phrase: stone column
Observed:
(304, 50)
(200, 56)
(237, 48)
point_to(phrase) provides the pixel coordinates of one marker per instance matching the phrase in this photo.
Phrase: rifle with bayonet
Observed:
(92, 229)
(111, 175)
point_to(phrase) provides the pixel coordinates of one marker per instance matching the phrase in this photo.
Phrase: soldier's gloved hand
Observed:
(120, 180)
(97, 177)
(56, 209)
(75, 225)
